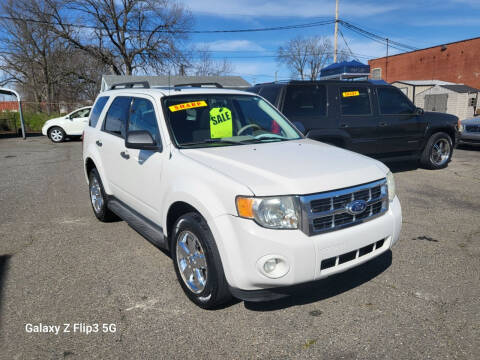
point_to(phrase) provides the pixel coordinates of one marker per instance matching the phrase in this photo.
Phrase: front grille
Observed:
(472, 128)
(352, 255)
(327, 211)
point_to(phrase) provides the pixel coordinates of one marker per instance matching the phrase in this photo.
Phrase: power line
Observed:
(346, 44)
(394, 44)
(164, 28)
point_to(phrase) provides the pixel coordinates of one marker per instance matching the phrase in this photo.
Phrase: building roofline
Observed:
(427, 48)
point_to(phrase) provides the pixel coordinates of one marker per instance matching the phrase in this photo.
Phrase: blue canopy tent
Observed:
(345, 70)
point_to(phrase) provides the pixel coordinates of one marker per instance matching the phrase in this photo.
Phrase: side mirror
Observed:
(419, 111)
(68, 117)
(299, 126)
(140, 139)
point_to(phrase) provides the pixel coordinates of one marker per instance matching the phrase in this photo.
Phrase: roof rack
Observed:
(130, 85)
(217, 85)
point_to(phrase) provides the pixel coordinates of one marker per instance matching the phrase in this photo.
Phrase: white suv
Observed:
(244, 203)
(71, 124)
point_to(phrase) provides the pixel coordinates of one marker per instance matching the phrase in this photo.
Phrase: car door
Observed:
(111, 144)
(400, 127)
(356, 118)
(143, 168)
(78, 121)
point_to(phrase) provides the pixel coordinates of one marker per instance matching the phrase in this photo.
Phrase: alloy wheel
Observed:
(191, 261)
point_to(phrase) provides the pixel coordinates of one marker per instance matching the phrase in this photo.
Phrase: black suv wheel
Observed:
(437, 152)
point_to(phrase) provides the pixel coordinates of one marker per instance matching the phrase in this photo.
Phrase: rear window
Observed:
(306, 100)
(355, 101)
(97, 110)
(270, 93)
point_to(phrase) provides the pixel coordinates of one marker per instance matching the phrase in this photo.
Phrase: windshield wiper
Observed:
(268, 138)
(213, 141)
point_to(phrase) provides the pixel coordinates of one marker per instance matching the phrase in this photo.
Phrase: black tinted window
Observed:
(97, 110)
(142, 117)
(117, 116)
(270, 93)
(392, 101)
(306, 100)
(355, 101)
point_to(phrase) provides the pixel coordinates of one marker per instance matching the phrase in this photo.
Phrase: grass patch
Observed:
(33, 120)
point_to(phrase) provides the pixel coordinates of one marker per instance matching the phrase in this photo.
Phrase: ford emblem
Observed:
(356, 207)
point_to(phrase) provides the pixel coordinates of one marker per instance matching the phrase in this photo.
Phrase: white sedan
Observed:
(70, 125)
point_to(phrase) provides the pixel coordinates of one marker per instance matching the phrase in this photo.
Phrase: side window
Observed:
(97, 110)
(80, 113)
(117, 115)
(142, 117)
(306, 100)
(355, 101)
(393, 102)
(270, 93)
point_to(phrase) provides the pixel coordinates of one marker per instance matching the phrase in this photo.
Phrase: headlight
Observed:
(280, 212)
(391, 186)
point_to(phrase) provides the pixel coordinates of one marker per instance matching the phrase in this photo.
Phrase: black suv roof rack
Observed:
(217, 85)
(130, 85)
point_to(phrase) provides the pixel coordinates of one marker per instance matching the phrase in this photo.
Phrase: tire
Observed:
(193, 248)
(56, 134)
(438, 151)
(98, 198)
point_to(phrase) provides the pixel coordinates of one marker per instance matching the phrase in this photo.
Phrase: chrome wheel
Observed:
(191, 261)
(96, 195)
(56, 135)
(440, 152)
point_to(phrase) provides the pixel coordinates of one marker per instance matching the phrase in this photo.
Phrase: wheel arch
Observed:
(446, 129)
(175, 211)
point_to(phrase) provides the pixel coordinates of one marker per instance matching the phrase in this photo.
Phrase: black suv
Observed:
(368, 117)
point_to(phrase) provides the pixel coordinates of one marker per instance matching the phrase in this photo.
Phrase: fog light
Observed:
(270, 265)
(273, 266)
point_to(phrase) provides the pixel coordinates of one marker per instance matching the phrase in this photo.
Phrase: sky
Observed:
(413, 22)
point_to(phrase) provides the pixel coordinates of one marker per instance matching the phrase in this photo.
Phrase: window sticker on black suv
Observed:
(355, 101)
(221, 124)
(188, 105)
(350, 93)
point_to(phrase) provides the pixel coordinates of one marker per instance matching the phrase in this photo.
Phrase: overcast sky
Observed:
(416, 23)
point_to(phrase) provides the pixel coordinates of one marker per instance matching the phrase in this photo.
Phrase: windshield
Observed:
(224, 119)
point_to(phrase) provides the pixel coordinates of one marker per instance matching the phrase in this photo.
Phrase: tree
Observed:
(305, 57)
(125, 36)
(44, 66)
(207, 66)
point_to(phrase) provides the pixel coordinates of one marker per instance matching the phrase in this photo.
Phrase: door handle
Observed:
(125, 155)
(383, 124)
(98, 142)
(343, 125)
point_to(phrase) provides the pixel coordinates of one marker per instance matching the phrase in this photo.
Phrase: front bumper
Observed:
(242, 243)
(44, 129)
(468, 138)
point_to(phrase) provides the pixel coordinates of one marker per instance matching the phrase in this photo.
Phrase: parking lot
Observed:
(59, 265)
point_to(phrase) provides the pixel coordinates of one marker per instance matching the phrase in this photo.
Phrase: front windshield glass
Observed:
(220, 120)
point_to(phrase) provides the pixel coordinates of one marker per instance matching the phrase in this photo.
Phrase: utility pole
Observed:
(386, 64)
(336, 33)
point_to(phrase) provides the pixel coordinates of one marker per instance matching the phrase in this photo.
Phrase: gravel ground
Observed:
(59, 265)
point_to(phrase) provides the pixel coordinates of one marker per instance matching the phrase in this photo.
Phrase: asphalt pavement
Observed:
(59, 265)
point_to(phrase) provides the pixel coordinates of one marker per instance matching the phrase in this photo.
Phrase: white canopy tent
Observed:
(5, 91)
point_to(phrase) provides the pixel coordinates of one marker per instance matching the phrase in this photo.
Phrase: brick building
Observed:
(457, 62)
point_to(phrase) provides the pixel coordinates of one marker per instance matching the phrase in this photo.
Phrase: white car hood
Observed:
(292, 167)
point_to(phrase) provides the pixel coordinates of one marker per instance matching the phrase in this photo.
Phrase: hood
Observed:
(294, 167)
(471, 121)
(440, 118)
